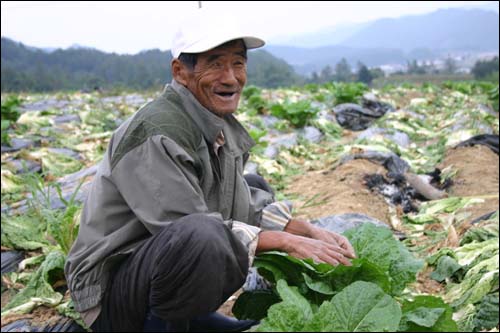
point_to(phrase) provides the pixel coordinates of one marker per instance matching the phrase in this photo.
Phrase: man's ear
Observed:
(180, 72)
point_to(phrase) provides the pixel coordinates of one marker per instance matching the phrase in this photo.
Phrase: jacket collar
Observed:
(237, 138)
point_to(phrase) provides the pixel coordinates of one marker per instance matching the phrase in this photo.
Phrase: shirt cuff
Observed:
(276, 215)
(249, 236)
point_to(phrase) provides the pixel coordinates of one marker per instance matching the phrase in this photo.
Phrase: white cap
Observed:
(206, 30)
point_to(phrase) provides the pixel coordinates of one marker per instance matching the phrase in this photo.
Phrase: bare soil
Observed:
(478, 171)
(338, 191)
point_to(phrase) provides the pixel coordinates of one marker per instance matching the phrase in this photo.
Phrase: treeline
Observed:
(342, 72)
(31, 69)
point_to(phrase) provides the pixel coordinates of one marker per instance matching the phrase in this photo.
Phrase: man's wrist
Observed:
(273, 240)
(299, 227)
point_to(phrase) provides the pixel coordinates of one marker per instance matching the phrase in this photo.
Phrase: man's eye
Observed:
(217, 65)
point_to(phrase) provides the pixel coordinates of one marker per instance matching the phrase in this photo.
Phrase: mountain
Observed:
(397, 41)
(327, 36)
(26, 68)
(307, 60)
(446, 29)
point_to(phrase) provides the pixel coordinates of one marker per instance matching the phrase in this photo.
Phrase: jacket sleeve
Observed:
(158, 181)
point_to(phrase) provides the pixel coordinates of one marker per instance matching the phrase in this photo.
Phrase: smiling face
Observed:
(217, 78)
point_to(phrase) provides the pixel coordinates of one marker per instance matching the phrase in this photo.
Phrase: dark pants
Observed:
(188, 269)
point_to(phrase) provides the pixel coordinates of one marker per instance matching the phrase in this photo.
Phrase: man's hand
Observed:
(306, 229)
(320, 245)
(333, 238)
(319, 250)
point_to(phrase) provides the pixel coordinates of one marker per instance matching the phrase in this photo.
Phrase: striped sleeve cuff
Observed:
(249, 236)
(276, 215)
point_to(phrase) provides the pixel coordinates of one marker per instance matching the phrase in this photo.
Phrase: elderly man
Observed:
(171, 225)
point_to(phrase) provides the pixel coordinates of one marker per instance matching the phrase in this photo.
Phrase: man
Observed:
(171, 225)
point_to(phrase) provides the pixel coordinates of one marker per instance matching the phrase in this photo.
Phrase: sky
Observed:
(134, 26)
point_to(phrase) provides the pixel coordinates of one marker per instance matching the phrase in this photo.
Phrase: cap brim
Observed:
(207, 45)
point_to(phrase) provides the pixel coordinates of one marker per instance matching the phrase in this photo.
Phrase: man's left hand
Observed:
(306, 229)
(333, 238)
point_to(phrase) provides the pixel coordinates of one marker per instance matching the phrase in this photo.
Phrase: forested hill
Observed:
(26, 68)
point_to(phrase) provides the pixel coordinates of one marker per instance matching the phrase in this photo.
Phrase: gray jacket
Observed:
(159, 166)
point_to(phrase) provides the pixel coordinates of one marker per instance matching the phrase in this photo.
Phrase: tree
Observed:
(364, 74)
(377, 72)
(483, 68)
(326, 74)
(343, 71)
(450, 66)
(315, 78)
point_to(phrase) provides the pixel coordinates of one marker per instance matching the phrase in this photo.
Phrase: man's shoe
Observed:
(216, 322)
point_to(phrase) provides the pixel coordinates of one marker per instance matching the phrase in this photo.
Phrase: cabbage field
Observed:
(409, 174)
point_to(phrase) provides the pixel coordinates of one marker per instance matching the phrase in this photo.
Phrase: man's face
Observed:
(219, 77)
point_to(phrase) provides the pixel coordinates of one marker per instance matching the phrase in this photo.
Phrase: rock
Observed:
(344, 222)
(17, 144)
(10, 260)
(311, 134)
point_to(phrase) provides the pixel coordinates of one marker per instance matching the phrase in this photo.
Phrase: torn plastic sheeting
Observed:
(370, 102)
(392, 162)
(400, 138)
(344, 222)
(395, 190)
(10, 260)
(489, 140)
(355, 117)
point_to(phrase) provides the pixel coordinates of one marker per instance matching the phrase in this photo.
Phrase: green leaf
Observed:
(364, 307)
(290, 315)
(446, 267)
(427, 314)
(487, 315)
(361, 270)
(23, 232)
(291, 295)
(40, 284)
(319, 286)
(378, 246)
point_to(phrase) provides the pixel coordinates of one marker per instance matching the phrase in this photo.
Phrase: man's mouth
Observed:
(226, 94)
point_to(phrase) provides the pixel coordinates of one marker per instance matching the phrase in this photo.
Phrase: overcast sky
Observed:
(129, 27)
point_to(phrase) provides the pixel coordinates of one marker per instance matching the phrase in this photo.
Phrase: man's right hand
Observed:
(303, 247)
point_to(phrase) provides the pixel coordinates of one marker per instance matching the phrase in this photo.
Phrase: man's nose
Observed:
(228, 76)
